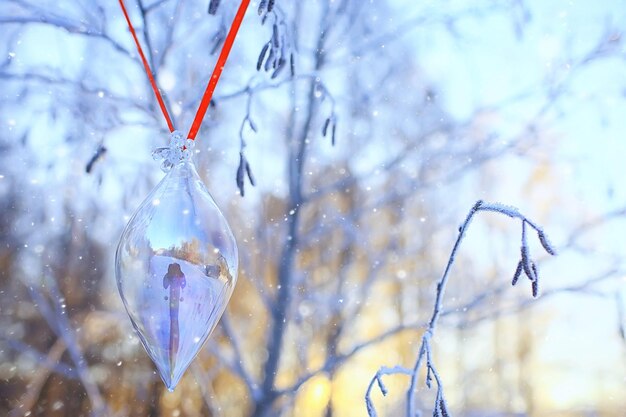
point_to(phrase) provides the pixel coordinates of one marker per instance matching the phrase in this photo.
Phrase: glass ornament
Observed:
(176, 264)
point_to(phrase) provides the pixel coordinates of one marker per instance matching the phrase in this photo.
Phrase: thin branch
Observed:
(56, 318)
(169, 34)
(621, 316)
(461, 309)
(154, 66)
(396, 370)
(155, 5)
(81, 86)
(58, 367)
(30, 398)
(297, 159)
(204, 382)
(66, 25)
(238, 363)
(585, 288)
(440, 408)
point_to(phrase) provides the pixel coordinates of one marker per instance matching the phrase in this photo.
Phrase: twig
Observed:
(56, 318)
(238, 363)
(206, 387)
(66, 25)
(581, 288)
(379, 381)
(244, 168)
(59, 367)
(440, 407)
(621, 316)
(29, 399)
(154, 65)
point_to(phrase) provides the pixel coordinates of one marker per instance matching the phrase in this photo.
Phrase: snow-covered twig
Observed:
(379, 381)
(425, 353)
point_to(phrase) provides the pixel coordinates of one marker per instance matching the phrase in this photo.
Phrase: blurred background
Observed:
(371, 128)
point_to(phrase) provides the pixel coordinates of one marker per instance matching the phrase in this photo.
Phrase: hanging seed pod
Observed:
(249, 174)
(275, 38)
(269, 63)
(526, 263)
(213, 5)
(240, 173)
(533, 267)
(279, 67)
(95, 158)
(262, 5)
(325, 128)
(218, 40)
(259, 62)
(545, 242)
(517, 274)
(535, 288)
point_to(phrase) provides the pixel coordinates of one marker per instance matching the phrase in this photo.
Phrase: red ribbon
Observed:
(215, 76)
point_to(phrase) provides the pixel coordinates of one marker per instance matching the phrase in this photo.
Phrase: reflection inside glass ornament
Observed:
(175, 281)
(176, 268)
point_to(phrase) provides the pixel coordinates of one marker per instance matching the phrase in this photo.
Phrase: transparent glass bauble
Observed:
(176, 268)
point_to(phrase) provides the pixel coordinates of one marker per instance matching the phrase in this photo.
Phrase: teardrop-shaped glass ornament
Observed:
(176, 268)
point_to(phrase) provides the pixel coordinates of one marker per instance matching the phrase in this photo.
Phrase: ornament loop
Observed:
(178, 150)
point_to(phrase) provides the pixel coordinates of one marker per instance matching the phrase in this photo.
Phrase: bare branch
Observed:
(425, 351)
(238, 363)
(57, 320)
(68, 26)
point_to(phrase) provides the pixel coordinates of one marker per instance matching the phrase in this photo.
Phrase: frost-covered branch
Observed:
(425, 354)
(378, 379)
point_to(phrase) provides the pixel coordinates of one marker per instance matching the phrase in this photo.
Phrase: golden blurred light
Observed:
(313, 397)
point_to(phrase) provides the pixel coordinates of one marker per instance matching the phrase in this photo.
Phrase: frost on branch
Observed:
(526, 265)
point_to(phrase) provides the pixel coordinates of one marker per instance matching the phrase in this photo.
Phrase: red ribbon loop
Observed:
(215, 76)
